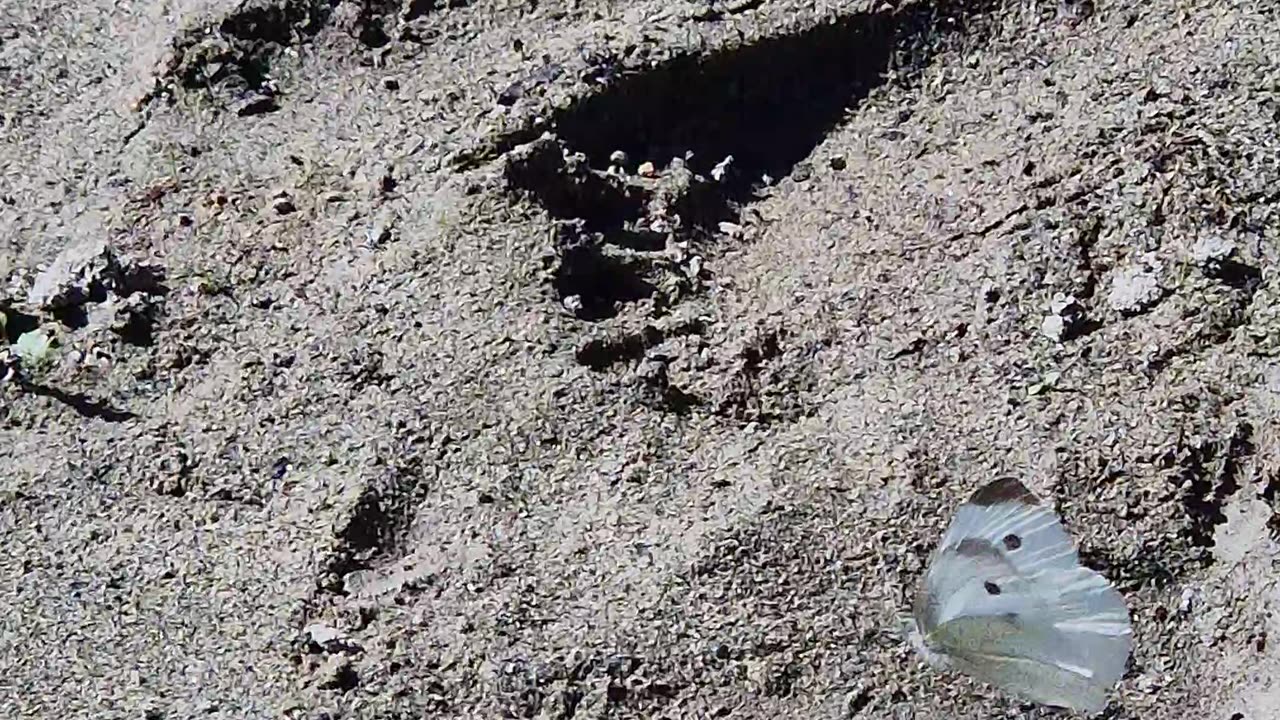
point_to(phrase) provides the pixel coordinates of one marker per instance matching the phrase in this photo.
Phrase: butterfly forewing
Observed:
(1010, 517)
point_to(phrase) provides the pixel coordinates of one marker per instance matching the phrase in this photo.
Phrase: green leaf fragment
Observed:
(34, 348)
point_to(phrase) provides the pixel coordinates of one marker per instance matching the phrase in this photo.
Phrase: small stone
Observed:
(1065, 317)
(1064, 305)
(322, 634)
(1149, 684)
(1077, 9)
(121, 315)
(1054, 327)
(511, 94)
(379, 233)
(647, 169)
(695, 266)
(79, 272)
(1211, 250)
(357, 582)
(1133, 290)
(651, 370)
(89, 272)
(617, 157)
(390, 83)
(337, 673)
(283, 204)
(721, 169)
(257, 104)
(733, 230)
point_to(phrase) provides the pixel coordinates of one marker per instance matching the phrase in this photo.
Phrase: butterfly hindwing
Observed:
(1007, 599)
(1023, 659)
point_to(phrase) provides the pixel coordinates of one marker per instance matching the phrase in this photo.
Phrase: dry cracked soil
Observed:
(400, 359)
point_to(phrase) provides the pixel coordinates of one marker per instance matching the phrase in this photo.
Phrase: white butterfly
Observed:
(1006, 601)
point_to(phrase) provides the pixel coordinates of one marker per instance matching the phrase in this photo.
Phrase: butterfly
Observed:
(1006, 601)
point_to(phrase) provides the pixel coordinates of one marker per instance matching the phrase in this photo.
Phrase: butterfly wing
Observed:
(1006, 598)
(1027, 659)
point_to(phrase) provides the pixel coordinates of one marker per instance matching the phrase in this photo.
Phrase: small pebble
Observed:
(256, 104)
(647, 169)
(733, 230)
(1064, 318)
(721, 169)
(1064, 305)
(511, 95)
(378, 233)
(1212, 249)
(1133, 290)
(695, 266)
(337, 673)
(1054, 327)
(283, 205)
(322, 634)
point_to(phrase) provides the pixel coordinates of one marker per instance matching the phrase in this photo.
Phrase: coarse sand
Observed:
(624, 359)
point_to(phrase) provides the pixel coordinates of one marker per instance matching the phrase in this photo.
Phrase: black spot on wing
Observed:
(1012, 542)
(1003, 490)
(992, 588)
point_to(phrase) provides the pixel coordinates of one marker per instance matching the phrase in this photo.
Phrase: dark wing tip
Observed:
(1003, 490)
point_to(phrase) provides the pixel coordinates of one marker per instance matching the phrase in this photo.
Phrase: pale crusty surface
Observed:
(430, 417)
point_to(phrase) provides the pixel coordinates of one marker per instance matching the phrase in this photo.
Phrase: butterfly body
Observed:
(1006, 601)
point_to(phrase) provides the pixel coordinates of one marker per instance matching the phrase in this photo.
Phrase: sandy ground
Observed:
(588, 358)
